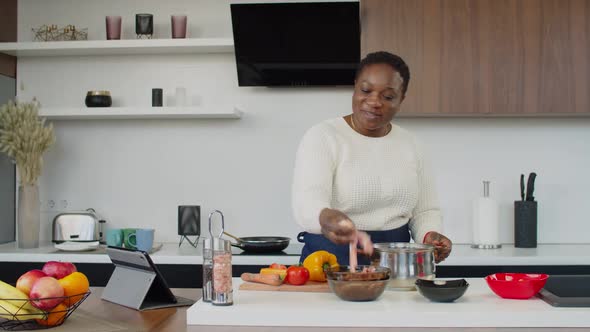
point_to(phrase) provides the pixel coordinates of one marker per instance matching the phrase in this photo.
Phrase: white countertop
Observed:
(462, 255)
(479, 307)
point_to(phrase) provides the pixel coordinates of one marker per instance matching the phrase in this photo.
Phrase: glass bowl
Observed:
(442, 290)
(365, 283)
(516, 285)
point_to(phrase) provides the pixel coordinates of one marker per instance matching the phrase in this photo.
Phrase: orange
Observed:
(75, 286)
(55, 317)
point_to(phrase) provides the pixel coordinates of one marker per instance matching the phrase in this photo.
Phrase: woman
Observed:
(360, 178)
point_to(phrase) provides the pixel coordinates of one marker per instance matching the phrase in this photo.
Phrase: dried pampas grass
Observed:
(24, 137)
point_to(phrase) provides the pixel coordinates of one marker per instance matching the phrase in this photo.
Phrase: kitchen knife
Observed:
(530, 187)
(522, 186)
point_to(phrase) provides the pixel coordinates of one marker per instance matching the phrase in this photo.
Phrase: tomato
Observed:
(277, 266)
(297, 275)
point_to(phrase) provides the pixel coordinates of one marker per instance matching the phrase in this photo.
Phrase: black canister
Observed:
(98, 99)
(144, 24)
(525, 224)
(157, 97)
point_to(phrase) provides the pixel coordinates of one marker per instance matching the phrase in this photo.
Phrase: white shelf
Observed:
(118, 47)
(106, 113)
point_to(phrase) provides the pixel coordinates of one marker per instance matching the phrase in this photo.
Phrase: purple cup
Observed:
(178, 26)
(113, 27)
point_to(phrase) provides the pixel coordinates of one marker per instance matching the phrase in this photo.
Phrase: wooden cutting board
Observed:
(310, 286)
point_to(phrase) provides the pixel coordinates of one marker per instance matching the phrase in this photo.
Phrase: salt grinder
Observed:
(221, 267)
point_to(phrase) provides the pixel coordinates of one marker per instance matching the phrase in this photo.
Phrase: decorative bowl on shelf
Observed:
(442, 290)
(15, 317)
(98, 99)
(516, 285)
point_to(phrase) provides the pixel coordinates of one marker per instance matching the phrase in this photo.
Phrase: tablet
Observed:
(137, 283)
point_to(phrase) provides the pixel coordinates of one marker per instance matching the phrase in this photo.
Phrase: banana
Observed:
(11, 312)
(9, 292)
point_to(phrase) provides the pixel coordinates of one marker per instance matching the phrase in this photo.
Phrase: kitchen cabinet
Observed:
(486, 57)
(98, 48)
(182, 266)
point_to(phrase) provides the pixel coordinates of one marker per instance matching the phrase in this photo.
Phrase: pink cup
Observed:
(113, 27)
(178, 26)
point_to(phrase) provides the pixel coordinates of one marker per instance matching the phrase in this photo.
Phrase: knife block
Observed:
(525, 224)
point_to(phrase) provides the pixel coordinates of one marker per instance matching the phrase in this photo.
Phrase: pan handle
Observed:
(238, 244)
(233, 236)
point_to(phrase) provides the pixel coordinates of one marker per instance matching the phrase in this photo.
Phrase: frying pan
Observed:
(260, 244)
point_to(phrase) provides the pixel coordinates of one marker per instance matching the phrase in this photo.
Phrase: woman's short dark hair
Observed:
(395, 61)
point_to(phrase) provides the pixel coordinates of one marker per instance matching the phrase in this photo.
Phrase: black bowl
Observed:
(442, 290)
(98, 99)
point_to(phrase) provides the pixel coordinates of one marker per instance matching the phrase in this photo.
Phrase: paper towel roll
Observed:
(486, 227)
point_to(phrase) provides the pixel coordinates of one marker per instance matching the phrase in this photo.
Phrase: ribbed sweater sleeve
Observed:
(426, 215)
(312, 179)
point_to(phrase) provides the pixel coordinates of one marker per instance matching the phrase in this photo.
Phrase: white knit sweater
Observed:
(379, 183)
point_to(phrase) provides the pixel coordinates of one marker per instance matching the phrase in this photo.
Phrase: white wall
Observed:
(136, 173)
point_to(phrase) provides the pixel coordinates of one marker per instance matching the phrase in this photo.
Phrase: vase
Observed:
(29, 216)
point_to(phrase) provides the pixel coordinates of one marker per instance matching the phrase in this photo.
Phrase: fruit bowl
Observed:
(15, 317)
(516, 285)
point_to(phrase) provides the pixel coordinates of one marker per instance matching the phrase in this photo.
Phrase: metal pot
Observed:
(260, 244)
(407, 261)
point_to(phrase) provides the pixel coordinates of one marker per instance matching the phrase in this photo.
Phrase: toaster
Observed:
(78, 227)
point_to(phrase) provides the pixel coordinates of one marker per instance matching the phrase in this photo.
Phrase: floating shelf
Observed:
(106, 113)
(118, 47)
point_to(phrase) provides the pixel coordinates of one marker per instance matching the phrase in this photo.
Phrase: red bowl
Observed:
(516, 285)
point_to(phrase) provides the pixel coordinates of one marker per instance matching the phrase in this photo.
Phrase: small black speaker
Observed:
(189, 220)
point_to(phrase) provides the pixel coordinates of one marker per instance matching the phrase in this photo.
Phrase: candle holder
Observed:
(178, 26)
(113, 27)
(144, 26)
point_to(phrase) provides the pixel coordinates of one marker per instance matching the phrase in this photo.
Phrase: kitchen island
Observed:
(96, 315)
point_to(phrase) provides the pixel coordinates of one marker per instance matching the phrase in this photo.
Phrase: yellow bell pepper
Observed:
(317, 262)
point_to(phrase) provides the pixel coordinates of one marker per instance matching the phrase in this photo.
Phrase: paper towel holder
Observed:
(486, 194)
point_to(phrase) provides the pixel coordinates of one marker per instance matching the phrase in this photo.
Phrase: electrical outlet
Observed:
(63, 204)
(48, 205)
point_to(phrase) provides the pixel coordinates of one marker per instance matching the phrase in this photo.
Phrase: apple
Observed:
(26, 281)
(46, 293)
(59, 270)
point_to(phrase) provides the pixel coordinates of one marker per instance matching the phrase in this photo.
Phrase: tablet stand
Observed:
(134, 288)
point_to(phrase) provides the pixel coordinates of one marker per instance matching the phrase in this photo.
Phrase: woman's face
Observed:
(376, 99)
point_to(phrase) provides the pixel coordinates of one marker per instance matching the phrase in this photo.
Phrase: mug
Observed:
(115, 237)
(143, 239)
(127, 232)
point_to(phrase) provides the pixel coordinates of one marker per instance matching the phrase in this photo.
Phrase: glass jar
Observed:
(222, 273)
(207, 270)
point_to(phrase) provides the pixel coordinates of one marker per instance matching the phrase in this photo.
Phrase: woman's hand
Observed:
(442, 245)
(338, 228)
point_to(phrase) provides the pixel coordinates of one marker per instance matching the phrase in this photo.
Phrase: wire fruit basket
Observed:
(15, 317)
